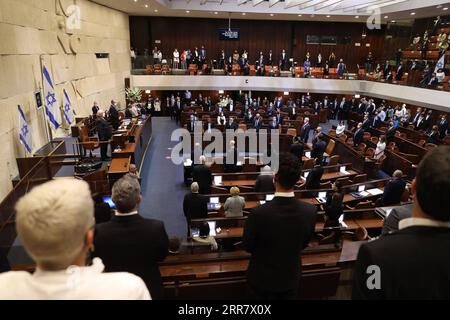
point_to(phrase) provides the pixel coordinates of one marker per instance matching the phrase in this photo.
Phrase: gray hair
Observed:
(266, 171)
(397, 174)
(126, 193)
(194, 187)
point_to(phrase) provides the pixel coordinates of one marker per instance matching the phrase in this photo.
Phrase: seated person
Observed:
(57, 233)
(235, 204)
(340, 128)
(205, 238)
(393, 191)
(264, 182)
(102, 210)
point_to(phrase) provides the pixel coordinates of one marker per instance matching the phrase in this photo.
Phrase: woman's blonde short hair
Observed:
(234, 191)
(52, 221)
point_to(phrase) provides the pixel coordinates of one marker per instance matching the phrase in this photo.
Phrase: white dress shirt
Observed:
(74, 283)
(340, 129)
(379, 151)
(285, 194)
(422, 222)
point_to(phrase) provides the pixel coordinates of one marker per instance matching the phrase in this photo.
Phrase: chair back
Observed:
(334, 160)
(370, 152)
(332, 133)
(359, 178)
(309, 164)
(330, 147)
(343, 137)
(345, 181)
(292, 132)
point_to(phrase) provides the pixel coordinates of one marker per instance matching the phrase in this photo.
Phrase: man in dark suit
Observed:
(413, 263)
(400, 72)
(114, 115)
(304, 131)
(257, 122)
(416, 116)
(366, 123)
(427, 120)
(275, 234)
(297, 147)
(313, 179)
(104, 134)
(393, 191)
(95, 108)
(202, 175)
(395, 216)
(443, 126)
(231, 124)
(387, 69)
(264, 182)
(280, 119)
(318, 149)
(195, 205)
(390, 132)
(359, 135)
(191, 123)
(129, 242)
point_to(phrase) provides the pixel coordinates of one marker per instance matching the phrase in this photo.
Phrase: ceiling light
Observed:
(243, 13)
(271, 14)
(439, 6)
(135, 0)
(356, 17)
(412, 13)
(187, 11)
(146, 5)
(386, 17)
(299, 15)
(393, 21)
(215, 12)
(328, 16)
(156, 10)
(445, 9)
(286, 93)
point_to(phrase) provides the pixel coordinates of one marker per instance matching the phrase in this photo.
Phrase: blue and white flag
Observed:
(51, 103)
(24, 131)
(440, 64)
(67, 108)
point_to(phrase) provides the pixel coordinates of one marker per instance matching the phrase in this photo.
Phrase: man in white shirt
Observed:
(55, 223)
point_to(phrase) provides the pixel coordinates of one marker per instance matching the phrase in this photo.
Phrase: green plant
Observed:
(134, 94)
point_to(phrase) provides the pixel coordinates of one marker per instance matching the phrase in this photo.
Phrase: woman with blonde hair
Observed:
(235, 204)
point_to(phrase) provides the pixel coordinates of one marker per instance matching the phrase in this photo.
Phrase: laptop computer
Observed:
(214, 203)
(322, 197)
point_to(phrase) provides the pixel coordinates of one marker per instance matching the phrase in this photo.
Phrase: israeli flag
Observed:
(67, 108)
(51, 103)
(440, 64)
(24, 131)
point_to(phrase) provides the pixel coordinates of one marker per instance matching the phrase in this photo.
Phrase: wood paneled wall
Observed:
(255, 36)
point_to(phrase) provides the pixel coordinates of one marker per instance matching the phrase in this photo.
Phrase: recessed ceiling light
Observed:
(299, 15)
(386, 17)
(156, 10)
(146, 5)
(271, 14)
(215, 12)
(412, 13)
(243, 13)
(328, 16)
(187, 11)
(445, 9)
(356, 17)
(393, 21)
(135, 0)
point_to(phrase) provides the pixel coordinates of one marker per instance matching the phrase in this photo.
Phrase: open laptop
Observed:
(322, 197)
(308, 154)
(214, 203)
(217, 180)
(360, 193)
(343, 169)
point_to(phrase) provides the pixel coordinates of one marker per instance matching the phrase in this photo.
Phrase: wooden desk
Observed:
(119, 167)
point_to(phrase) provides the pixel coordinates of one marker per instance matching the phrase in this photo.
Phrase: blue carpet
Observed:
(162, 182)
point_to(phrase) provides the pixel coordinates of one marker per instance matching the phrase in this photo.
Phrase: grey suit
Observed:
(391, 222)
(234, 206)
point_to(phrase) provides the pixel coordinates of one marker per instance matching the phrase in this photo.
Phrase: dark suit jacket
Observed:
(390, 133)
(275, 234)
(133, 244)
(202, 175)
(297, 149)
(393, 192)
(397, 214)
(257, 126)
(318, 150)
(264, 183)
(114, 117)
(399, 74)
(412, 265)
(358, 136)
(103, 129)
(313, 179)
(195, 206)
(366, 124)
(233, 126)
(190, 126)
(304, 132)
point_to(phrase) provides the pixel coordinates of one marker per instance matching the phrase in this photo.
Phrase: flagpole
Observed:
(41, 90)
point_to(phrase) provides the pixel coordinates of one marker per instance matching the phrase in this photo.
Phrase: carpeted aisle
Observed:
(162, 181)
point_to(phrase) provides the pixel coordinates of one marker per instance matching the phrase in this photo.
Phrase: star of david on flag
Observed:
(440, 64)
(67, 108)
(24, 131)
(51, 103)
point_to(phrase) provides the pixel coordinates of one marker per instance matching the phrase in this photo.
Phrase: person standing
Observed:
(275, 234)
(130, 242)
(104, 135)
